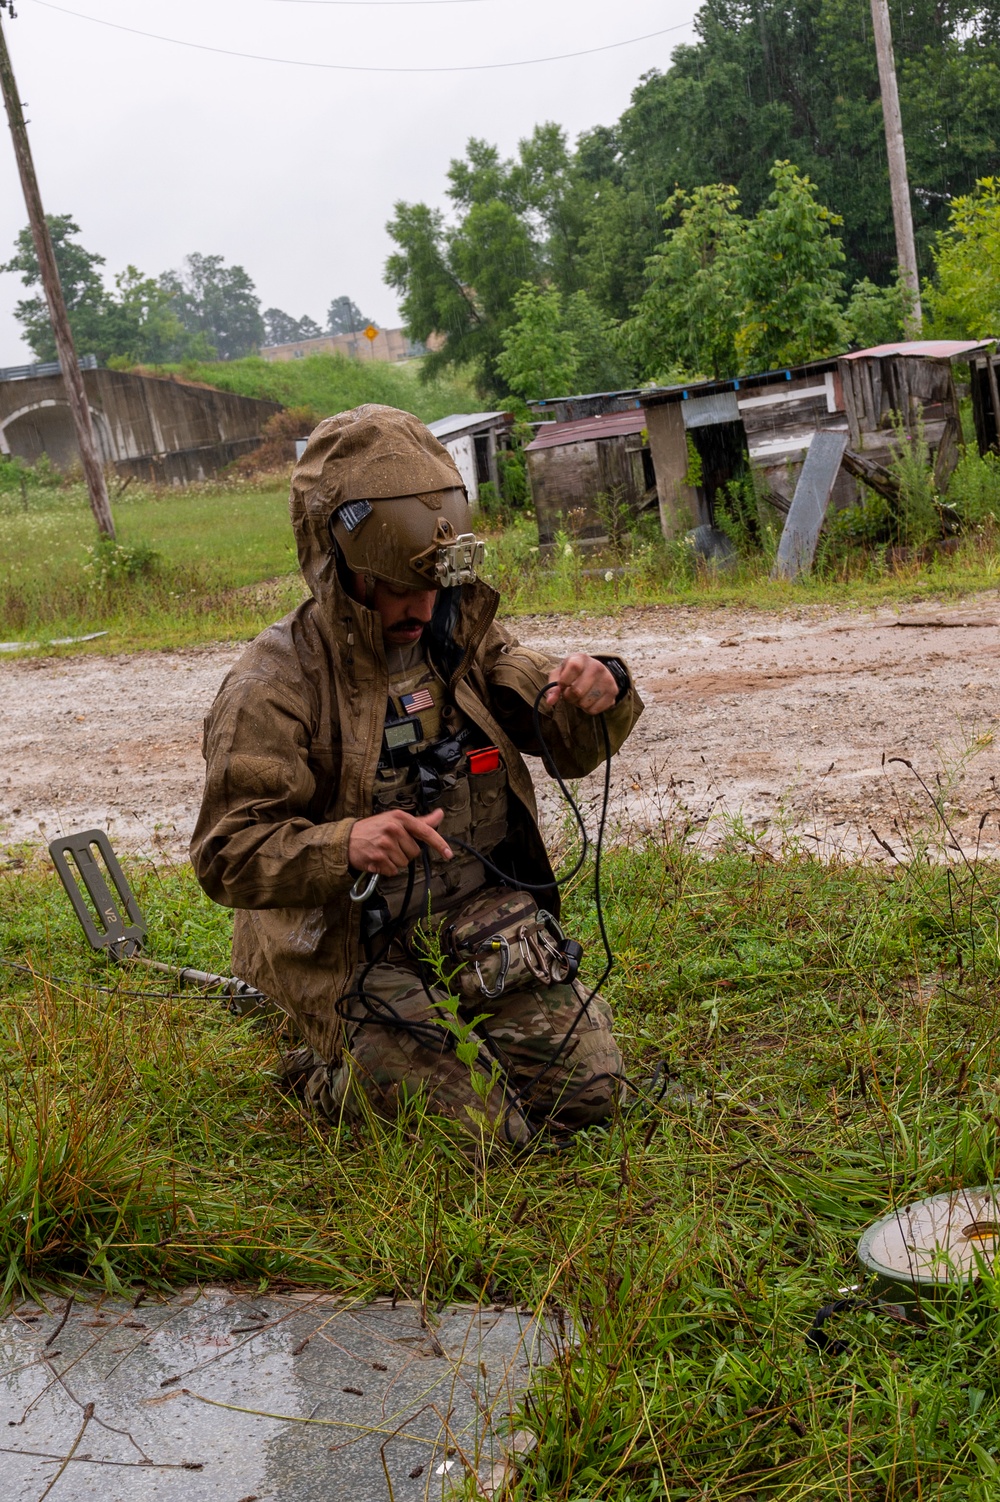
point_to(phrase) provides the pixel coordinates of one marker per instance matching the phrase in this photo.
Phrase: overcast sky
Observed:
(157, 150)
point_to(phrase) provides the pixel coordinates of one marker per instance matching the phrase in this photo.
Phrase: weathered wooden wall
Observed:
(567, 480)
(921, 390)
(681, 507)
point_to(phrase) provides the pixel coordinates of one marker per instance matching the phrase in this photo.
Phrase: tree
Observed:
(140, 325)
(83, 288)
(515, 220)
(877, 315)
(688, 317)
(539, 357)
(964, 301)
(282, 328)
(798, 79)
(133, 323)
(460, 281)
(557, 345)
(728, 295)
(788, 275)
(345, 317)
(603, 363)
(217, 301)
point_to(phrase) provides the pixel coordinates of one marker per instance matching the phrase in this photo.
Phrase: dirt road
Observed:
(778, 722)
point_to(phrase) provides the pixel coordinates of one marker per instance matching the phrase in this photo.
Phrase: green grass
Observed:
(335, 383)
(225, 567)
(837, 1025)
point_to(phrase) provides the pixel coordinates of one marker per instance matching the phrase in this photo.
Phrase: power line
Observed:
(377, 3)
(299, 62)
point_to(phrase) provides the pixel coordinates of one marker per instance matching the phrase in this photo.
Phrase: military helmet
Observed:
(398, 511)
(420, 541)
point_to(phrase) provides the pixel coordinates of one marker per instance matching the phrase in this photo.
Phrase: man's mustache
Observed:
(410, 624)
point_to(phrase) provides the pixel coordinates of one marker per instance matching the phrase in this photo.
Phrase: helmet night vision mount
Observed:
(452, 558)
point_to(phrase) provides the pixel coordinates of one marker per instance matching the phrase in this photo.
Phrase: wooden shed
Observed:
(472, 440)
(581, 471)
(913, 381)
(704, 435)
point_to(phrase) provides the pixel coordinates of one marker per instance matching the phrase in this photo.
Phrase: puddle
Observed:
(298, 1397)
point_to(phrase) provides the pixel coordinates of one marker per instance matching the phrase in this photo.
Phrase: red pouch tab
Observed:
(485, 760)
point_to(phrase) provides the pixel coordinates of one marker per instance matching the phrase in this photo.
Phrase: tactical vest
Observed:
(433, 757)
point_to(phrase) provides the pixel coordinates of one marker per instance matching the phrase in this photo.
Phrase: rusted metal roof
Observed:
(931, 349)
(553, 435)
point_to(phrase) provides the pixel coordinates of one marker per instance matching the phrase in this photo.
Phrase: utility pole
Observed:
(906, 250)
(71, 373)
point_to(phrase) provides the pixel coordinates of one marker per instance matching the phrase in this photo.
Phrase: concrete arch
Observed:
(46, 427)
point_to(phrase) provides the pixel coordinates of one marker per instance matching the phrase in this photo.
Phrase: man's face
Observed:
(404, 612)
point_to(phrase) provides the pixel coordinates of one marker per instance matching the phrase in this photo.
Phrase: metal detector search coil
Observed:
(939, 1243)
(120, 928)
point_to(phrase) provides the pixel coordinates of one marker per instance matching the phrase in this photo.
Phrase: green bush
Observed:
(514, 486)
(110, 562)
(974, 488)
(12, 475)
(917, 520)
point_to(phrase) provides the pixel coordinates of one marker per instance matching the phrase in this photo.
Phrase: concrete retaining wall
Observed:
(163, 430)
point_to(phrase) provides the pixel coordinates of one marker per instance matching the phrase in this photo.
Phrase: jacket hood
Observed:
(369, 453)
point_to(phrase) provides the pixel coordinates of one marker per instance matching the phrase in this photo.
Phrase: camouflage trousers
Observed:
(550, 1061)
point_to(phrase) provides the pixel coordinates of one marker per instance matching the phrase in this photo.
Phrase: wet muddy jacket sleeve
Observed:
(260, 841)
(515, 674)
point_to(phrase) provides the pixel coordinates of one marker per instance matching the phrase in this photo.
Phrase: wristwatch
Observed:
(619, 673)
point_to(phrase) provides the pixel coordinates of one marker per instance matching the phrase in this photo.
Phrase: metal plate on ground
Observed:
(943, 1240)
(213, 1397)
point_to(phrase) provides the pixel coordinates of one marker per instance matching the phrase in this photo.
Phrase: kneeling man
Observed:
(369, 814)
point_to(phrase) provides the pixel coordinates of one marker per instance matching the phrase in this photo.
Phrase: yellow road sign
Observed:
(371, 332)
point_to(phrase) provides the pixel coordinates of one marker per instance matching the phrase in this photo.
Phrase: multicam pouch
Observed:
(503, 941)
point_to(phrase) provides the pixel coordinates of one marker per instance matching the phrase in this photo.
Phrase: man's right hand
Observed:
(386, 843)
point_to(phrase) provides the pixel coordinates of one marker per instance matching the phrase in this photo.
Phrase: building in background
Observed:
(589, 474)
(472, 439)
(389, 344)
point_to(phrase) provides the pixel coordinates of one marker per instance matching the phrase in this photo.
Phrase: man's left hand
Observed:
(585, 683)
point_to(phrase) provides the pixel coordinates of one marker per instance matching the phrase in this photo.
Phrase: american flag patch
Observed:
(414, 703)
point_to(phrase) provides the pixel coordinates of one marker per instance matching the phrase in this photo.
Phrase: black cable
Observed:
(430, 1035)
(304, 62)
(516, 1094)
(598, 902)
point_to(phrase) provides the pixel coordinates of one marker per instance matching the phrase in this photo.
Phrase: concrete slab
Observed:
(213, 1396)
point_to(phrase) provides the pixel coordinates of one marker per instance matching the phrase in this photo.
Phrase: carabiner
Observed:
(499, 945)
(550, 922)
(362, 894)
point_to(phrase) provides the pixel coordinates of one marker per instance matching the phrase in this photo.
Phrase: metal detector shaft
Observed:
(227, 984)
(243, 1000)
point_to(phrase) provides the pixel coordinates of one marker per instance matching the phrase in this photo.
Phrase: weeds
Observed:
(917, 518)
(111, 563)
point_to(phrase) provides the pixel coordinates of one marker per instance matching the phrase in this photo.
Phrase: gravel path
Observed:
(776, 721)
